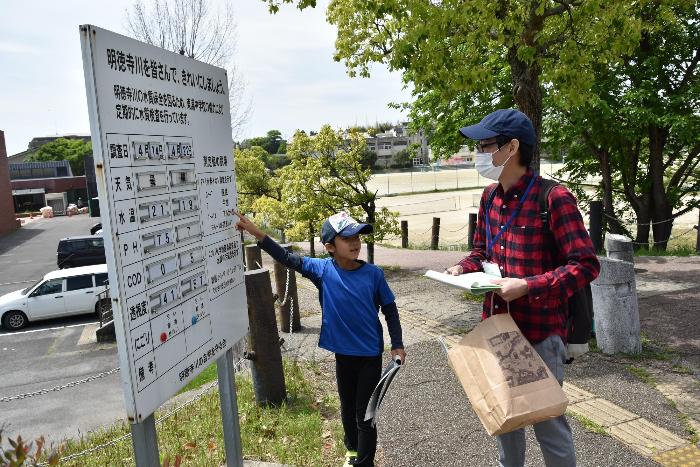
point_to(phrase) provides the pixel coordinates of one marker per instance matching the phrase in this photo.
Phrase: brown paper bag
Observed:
(508, 384)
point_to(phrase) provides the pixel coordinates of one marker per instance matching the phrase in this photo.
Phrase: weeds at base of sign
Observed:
(23, 453)
(306, 430)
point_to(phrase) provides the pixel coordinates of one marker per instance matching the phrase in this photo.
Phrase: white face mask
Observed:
(484, 165)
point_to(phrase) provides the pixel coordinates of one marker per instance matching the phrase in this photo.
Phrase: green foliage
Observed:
(270, 142)
(302, 431)
(368, 159)
(326, 175)
(401, 159)
(253, 180)
(23, 454)
(638, 126)
(463, 59)
(72, 150)
(274, 5)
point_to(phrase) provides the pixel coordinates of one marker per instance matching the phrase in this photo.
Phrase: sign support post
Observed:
(229, 409)
(145, 442)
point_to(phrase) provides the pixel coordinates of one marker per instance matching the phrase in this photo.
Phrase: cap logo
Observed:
(340, 221)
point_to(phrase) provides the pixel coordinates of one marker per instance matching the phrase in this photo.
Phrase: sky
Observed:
(286, 61)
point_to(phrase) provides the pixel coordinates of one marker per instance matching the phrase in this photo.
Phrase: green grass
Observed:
(588, 424)
(206, 376)
(304, 430)
(682, 369)
(652, 350)
(673, 250)
(470, 297)
(641, 374)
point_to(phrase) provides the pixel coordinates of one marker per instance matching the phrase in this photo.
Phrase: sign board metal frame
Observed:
(163, 153)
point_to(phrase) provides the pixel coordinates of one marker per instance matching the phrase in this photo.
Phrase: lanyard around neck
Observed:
(490, 240)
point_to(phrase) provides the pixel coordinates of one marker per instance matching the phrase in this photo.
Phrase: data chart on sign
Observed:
(161, 225)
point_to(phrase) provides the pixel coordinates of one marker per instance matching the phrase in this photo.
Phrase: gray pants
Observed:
(554, 436)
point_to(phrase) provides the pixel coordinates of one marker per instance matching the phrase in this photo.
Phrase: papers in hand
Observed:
(475, 282)
(372, 412)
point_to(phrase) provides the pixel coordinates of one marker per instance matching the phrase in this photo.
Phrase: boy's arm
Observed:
(393, 324)
(279, 254)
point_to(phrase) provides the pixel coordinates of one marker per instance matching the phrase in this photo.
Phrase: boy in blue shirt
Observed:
(351, 293)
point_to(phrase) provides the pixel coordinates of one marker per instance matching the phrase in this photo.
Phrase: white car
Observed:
(60, 293)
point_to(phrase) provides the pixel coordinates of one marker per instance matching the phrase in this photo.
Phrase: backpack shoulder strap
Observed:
(543, 199)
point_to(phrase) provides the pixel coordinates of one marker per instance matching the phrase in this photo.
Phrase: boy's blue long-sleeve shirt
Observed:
(350, 302)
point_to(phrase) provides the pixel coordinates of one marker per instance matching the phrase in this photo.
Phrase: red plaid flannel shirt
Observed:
(554, 263)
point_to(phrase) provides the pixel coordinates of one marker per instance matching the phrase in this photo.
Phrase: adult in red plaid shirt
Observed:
(540, 266)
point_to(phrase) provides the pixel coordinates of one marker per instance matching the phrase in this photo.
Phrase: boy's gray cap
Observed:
(344, 225)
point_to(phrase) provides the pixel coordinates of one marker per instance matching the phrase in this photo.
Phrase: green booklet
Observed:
(475, 282)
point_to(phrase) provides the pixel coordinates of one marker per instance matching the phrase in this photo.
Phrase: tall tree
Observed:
(640, 124)
(71, 150)
(192, 28)
(455, 54)
(325, 176)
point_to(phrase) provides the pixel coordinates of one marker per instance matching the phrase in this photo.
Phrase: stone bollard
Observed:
(619, 247)
(616, 313)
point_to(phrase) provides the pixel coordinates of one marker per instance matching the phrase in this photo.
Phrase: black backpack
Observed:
(580, 316)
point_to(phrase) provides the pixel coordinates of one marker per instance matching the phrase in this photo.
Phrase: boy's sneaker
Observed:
(350, 457)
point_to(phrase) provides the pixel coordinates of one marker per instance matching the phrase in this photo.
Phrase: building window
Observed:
(61, 171)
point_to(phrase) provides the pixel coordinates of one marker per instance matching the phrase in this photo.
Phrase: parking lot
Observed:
(53, 353)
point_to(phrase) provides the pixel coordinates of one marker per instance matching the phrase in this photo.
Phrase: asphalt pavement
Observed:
(54, 353)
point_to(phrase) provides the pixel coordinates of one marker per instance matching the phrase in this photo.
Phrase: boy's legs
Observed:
(346, 376)
(554, 436)
(369, 372)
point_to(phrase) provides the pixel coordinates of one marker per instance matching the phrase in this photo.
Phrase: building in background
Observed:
(389, 143)
(39, 141)
(8, 221)
(50, 183)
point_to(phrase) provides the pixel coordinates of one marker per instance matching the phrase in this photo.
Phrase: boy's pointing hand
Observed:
(246, 224)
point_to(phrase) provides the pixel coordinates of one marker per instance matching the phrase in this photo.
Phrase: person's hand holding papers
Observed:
(511, 288)
(474, 282)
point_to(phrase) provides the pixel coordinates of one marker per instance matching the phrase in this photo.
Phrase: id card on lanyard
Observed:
(490, 239)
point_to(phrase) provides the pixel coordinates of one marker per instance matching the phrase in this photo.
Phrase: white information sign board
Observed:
(161, 139)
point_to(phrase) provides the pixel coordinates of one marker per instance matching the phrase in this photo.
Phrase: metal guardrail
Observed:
(104, 307)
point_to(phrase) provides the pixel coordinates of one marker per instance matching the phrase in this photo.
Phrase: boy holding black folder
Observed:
(351, 292)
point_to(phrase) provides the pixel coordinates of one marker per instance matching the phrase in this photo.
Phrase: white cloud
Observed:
(16, 48)
(285, 59)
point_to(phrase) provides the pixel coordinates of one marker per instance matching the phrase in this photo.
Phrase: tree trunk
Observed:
(643, 228)
(661, 210)
(528, 95)
(609, 219)
(312, 240)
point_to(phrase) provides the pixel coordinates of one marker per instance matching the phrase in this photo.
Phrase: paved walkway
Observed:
(624, 411)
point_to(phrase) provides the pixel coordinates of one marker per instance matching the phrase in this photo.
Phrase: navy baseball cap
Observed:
(344, 225)
(506, 122)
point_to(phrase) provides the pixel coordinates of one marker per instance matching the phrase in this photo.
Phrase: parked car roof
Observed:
(61, 273)
(81, 237)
